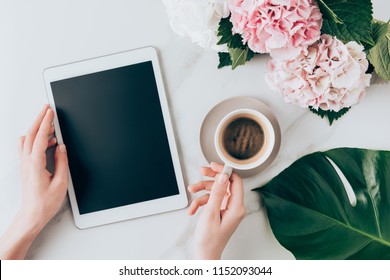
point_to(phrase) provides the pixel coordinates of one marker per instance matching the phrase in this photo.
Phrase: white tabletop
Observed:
(43, 33)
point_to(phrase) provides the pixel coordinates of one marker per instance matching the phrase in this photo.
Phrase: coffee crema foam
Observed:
(243, 138)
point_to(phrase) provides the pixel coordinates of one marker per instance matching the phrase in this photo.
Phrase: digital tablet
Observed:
(112, 114)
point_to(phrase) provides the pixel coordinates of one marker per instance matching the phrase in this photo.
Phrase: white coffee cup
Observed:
(261, 140)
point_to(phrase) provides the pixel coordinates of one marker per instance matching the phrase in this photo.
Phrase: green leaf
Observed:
(348, 20)
(379, 55)
(331, 115)
(224, 59)
(251, 54)
(328, 12)
(238, 53)
(227, 36)
(236, 42)
(310, 212)
(225, 31)
(238, 56)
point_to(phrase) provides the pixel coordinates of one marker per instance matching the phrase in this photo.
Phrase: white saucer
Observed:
(216, 114)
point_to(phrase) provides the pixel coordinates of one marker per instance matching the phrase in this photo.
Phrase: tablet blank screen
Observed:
(113, 127)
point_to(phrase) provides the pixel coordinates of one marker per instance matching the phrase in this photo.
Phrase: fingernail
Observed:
(62, 148)
(222, 178)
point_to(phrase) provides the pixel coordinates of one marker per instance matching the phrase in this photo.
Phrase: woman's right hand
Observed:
(216, 226)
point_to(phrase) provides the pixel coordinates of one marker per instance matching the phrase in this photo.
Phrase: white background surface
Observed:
(40, 34)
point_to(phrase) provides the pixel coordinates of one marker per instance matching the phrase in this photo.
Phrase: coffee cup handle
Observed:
(227, 170)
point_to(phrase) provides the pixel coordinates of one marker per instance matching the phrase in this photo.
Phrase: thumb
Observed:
(61, 176)
(218, 192)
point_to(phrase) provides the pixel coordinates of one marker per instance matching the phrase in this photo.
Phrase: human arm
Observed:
(42, 192)
(216, 226)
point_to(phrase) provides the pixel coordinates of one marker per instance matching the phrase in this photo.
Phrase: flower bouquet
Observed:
(322, 52)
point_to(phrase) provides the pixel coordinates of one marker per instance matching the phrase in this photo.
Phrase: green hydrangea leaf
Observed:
(225, 31)
(238, 52)
(330, 115)
(327, 12)
(251, 54)
(379, 55)
(348, 20)
(224, 59)
(236, 42)
(238, 56)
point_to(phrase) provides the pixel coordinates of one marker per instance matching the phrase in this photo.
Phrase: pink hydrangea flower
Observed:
(279, 27)
(328, 75)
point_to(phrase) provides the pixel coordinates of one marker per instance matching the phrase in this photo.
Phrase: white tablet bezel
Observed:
(133, 210)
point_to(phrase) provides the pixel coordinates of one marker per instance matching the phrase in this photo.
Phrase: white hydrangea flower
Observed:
(198, 20)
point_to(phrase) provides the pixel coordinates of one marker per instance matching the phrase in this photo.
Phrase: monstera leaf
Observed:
(314, 216)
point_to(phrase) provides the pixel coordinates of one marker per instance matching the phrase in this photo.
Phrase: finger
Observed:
(207, 171)
(21, 144)
(196, 203)
(30, 137)
(52, 142)
(212, 170)
(202, 185)
(218, 192)
(216, 167)
(236, 199)
(61, 176)
(42, 138)
(51, 129)
(235, 209)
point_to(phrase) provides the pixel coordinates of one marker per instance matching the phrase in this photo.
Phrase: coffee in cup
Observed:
(244, 139)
